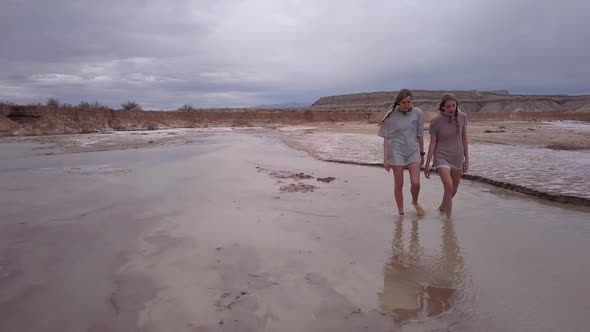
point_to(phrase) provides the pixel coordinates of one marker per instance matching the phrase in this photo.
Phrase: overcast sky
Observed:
(165, 53)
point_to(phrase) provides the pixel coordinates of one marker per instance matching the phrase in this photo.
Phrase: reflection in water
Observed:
(418, 286)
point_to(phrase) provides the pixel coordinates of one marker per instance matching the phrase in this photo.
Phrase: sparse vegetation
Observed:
(7, 103)
(566, 146)
(131, 105)
(526, 116)
(84, 104)
(187, 108)
(52, 102)
(94, 105)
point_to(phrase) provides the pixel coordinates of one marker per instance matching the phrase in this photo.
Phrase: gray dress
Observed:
(402, 132)
(449, 140)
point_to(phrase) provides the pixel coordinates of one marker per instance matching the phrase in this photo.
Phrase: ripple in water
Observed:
(554, 172)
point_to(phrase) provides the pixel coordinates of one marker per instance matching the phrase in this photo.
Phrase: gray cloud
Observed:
(242, 53)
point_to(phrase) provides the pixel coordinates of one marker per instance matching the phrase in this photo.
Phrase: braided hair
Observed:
(401, 95)
(446, 97)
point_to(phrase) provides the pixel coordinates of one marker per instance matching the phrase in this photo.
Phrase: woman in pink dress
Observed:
(449, 147)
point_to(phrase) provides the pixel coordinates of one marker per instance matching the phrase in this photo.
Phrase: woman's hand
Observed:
(427, 171)
(465, 166)
(386, 165)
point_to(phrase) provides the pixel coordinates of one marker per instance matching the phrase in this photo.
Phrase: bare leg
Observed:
(447, 181)
(398, 186)
(415, 189)
(456, 176)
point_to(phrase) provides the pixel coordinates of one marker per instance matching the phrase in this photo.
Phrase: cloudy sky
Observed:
(228, 53)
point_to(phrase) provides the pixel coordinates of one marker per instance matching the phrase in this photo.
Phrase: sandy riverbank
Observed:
(558, 135)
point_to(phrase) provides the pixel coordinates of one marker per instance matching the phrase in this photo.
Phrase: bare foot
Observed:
(419, 209)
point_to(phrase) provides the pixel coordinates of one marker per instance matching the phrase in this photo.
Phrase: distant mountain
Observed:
(284, 105)
(470, 101)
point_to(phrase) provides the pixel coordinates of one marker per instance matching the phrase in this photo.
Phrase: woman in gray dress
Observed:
(449, 147)
(402, 129)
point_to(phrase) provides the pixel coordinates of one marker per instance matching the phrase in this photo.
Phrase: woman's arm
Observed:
(386, 154)
(465, 147)
(420, 131)
(431, 149)
(466, 153)
(421, 143)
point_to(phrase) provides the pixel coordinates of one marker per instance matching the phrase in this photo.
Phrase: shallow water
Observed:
(550, 171)
(506, 262)
(577, 126)
(517, 267)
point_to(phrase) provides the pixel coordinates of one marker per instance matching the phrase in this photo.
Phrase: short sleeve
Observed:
(433, 130)
(420, 124)
(384, 129)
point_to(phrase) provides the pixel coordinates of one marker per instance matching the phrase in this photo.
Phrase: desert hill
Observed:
(470, 101)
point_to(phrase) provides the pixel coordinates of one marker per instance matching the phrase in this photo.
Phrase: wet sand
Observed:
(221, 234)
(541, 166)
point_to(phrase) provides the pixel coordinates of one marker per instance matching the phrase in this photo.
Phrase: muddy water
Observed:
(549, 171)
(226, 249)
(518, 267)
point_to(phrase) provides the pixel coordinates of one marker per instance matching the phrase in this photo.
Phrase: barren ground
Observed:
(555, 135)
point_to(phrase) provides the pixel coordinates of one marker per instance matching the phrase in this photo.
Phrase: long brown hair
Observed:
(401, 95)
(450, 97)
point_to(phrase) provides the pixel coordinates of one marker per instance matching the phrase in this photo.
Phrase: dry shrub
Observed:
(566, 146)
(187, 108)
(131, 105)
(94, 106)
(52, 102)
(528, 116)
